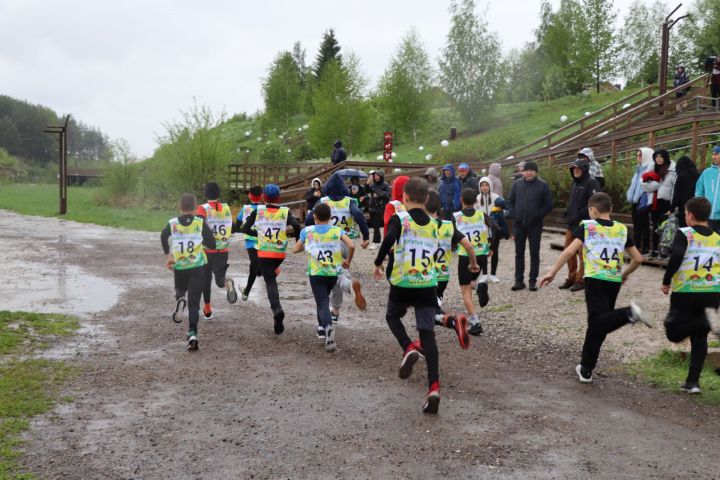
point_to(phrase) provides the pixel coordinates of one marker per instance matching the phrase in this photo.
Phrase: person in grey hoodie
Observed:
(596, 170)
(640, 219)
(530, 201)
(432, 177)
(495, 181)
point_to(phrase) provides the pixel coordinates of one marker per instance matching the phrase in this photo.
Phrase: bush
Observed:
(119, 186)
(304, 152)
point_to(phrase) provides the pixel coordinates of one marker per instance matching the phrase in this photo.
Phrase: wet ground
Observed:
(250, 404)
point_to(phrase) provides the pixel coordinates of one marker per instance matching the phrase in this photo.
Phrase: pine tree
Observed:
(329, 51)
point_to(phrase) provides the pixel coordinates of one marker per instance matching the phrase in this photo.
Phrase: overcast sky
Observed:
(127, 66)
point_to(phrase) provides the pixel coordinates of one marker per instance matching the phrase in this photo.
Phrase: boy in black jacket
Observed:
(693, 276)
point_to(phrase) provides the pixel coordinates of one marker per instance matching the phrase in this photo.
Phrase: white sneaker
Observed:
(581, 377)
(493, 279)
(483, 279)
(373, 246)
(637, 314)
(713, 316)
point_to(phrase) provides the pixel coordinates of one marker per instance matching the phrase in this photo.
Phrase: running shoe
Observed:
(475, 328)
(208, 312)
(320, 332)
(482, 292)
(432, 400)
(335, 315)
(357, 295)
(245, 295)
(493, 279)
(178, 316)
(637, 314)
(330, 339)
(585, 376)
(278, 322)
(458, 323)
(192, 341)
(231, 293)
(690, 388)
(412, 355)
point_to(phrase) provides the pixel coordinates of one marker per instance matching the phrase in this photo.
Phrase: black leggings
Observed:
(682, 323)
(495, 249)
(603, 318)
(190, 281)
(268, 267)
(217, 265)
(377, 222)
(254, 269)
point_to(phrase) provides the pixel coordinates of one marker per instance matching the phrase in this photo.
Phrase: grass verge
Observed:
(28, 386)
(42, 200)
(668, 371)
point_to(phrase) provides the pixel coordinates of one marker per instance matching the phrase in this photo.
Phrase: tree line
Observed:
(578, 46)
(21, 135)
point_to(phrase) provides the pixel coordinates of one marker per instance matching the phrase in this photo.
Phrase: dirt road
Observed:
(249, 404)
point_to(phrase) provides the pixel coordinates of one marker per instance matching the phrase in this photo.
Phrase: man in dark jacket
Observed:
(468, 179)
(583, 187)
(338, 154)
(449, 192)
(529, 201)
(379, 192)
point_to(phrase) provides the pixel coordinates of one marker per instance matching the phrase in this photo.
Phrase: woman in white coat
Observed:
(662, 190)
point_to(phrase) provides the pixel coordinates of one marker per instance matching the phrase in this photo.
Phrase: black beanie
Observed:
(530, 166)
(212, 191)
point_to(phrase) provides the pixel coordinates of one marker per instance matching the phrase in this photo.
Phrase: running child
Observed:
(475, 225)
(183, 240)
(219, 218)
(344, 213)
(255, 197)
(413, 283)
(323, 244)
(448, 239)
(271, 222)
(693, 277)
(603, 243)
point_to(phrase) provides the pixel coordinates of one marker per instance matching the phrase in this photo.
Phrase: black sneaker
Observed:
(518, 286)
(584, 375)
(192, 341)
(482, 292)
(690, 388)
(245, 294)
(320, 332)
(533, 287)
(278, 322)
(576, 287)
(566, 284)
(231, 292)
(179, 314)
(475, 329)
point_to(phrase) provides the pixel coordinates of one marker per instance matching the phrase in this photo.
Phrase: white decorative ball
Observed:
(247, 134)
(627, 105)
(379, 157)
(421, 148)
(390, 161)
(444, 143)
(587, 114)
(394, 154)
(428, 157)
(563, 118)
(259, 139)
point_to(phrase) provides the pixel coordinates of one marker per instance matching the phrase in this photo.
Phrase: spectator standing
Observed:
(583, 187)
(715, 82)
(530, 201)
(687, 176)
(468, 179)
(313, 194)
(431, 175)
(357, 191)
(379, 197)
(640, 217)
(449, 192)
(662, 189)
(595, 168)
(681, 78)
(495, 179)
(708, 186)
(338, 154)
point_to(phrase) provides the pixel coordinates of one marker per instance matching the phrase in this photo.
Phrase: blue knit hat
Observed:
(271, 192)
(716, 149)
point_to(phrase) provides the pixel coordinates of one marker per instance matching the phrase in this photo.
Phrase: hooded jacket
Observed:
(449, 191)
(335, 189)
(397, 194)
(379, 194)
(687, 176)
(580, 192)
(708, 186)
(338, 154)
(595, 168)
(485, 202)
(667, 174)
(635, 190)
(433, 173)
(470, 180)
(309, 196)
(495, 180)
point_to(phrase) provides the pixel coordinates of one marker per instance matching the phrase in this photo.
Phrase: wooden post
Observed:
(651, 139)
(613, 153)
(694, 145)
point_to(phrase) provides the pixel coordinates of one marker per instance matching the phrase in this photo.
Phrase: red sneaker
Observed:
(358, 296)
(459, 323)
(412, 354)
(208, 312)
(432, 400)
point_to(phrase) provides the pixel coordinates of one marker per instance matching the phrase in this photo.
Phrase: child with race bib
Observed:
(693, 277)
(413, 283)
(255, 197)
(270, 222)
(475, 225)
(183, 240)
(218, 217)
(323, 244)
(603, 242)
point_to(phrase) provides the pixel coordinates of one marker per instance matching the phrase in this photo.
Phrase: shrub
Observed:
(119, 185)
